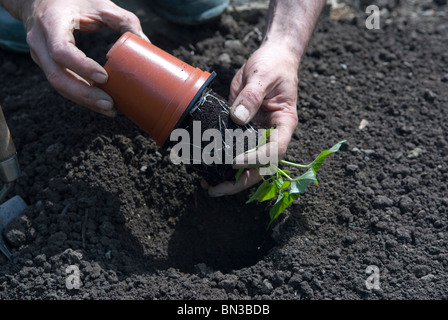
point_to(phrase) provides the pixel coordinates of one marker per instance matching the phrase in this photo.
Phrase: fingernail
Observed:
(241, 113)
(143, 36)
(215, 192)
(105, 105)
(215, 195)
(110, 113)
(99, 77)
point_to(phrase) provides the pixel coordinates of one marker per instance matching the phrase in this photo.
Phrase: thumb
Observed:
(247, 103)
(121, 21)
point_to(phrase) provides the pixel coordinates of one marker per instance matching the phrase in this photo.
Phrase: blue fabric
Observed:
(12, 33)
(189, 11)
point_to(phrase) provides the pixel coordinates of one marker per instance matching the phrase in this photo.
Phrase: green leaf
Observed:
(263, 139)
(268, 193)
(278, 183)
(297, 186)
(285, 184)
(276, 209)
(275, 189)
(265, 185)
(275, 185)
(315, 165)
(238, 174)
(300, 184)
(261, 190)
(283, 201)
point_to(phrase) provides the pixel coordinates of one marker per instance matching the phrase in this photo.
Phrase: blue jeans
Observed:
(189, 11)
(12, 33)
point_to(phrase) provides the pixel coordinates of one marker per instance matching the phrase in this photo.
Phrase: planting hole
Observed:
(223, 233)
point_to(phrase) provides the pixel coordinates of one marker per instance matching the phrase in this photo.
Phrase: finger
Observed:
(67, 83)
(84, 94)
(204, 184)
(121, 21)
(246, 180)
(276, 147)
(62, 50)
(80, 92)
(236, 86)
(264, 155)
(247, 102)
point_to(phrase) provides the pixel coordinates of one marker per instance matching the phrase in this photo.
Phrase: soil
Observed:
(103, 198)
(213, 112)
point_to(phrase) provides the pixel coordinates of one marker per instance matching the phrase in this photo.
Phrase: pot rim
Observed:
(119, 43)
(195, 99)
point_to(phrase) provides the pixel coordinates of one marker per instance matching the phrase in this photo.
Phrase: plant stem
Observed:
(294, 164)
(285, 174)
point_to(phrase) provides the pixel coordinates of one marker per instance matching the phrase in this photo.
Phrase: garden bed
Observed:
(103, 197)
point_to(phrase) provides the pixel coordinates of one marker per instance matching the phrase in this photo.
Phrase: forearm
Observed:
(291, 24)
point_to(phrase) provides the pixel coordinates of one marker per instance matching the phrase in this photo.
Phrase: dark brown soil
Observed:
(213, 112)
(102, 196)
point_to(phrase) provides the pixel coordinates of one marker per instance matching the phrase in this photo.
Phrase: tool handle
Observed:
(7, 147)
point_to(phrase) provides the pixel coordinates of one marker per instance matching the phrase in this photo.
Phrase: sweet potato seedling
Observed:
(281, 185)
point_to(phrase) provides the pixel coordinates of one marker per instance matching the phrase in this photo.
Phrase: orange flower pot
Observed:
(151, 87)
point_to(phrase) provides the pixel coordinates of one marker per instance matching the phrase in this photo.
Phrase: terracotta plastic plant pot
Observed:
(151, 87)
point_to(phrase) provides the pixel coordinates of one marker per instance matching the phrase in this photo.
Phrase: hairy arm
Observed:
(291, 23)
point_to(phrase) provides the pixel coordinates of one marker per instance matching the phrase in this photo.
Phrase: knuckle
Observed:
(58, 51)
(252, 97)
(235, 85)
(292, 116)
(131, 20)
(294, 119)
(55, 79)
(89, 96)
(31, 40)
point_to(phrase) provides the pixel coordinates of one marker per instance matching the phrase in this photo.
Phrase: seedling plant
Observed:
(280, 184)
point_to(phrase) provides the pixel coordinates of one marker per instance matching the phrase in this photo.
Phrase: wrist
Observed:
(291, 24)
(285, 50)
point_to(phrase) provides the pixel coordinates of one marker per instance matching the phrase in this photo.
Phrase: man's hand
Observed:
(50, 25)
(265, 88)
